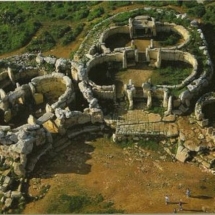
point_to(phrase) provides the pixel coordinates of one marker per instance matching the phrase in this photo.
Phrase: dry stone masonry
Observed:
(49, 98)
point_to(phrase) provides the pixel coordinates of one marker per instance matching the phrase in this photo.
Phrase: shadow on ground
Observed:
(201, 197)
(72, 159)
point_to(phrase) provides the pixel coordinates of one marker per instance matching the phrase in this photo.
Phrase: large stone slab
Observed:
(182, 153)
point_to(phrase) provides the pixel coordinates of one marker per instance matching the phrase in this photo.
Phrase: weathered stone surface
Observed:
(7, 180)
(19, 169)
(16, 194)
(84, 118)
(182, 136)
(8, 202)
(191, 145)
(24, 146)
(38, 98)
(169, 118)
(154, 117)
(172, 130)
(182, 153)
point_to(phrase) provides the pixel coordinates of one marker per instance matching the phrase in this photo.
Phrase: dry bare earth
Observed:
(135, 179)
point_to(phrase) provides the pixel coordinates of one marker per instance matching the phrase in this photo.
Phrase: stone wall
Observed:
(114, 57)
(168, 27)
(56, 88)
(175, 55)
(113, 30)
(104, 92)
(68, 119)
(207, 98)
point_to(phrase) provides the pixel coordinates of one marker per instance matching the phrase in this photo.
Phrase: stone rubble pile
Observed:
(16, 146)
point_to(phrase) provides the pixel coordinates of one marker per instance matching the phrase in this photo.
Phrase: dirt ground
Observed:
(135, 179)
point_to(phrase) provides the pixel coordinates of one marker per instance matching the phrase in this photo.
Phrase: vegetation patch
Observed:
(166, 39)
(82, 204)
(171, 73)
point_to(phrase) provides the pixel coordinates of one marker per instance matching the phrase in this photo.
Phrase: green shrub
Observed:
(171, 40)
(209, 16)
(43, 43)
(71, 35)
(81, 14)
(58, 31)
(197, 11)
(98, 12)
(82, 204)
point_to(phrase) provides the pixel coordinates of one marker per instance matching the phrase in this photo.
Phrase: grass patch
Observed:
(82, 204)
(171, 73)
(157, 107)
(169, 40)
(151, 144)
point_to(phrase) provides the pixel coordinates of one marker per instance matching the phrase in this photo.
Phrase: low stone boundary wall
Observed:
(55, 86)
(207, 98)
(115, 57)
(113, 30)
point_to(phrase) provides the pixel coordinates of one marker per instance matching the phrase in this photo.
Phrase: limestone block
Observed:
(7, 180)
(206, 164)
(171, 130)
(8, 202)
(84, 118)
(38, 98)
(50, 60)
(210, 131)
(49, 109)
(31, 128)
(13, 137)
(51, 126)
(4, 104)
(5, 128)
(7, 115)
(31, 120)
(24, 146)
(152, 117)
(169, 118)
(21, 100)
(32, 88)
(62, 98)
(16, 194)
(96, 115)
(39, 59)
(93, 103)
(23, 159)
(19, 169)
(22, 134)
(203, 123)
(191, 145)
(68, 81)
(2, 94)
(11, 75)
(182, 154)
